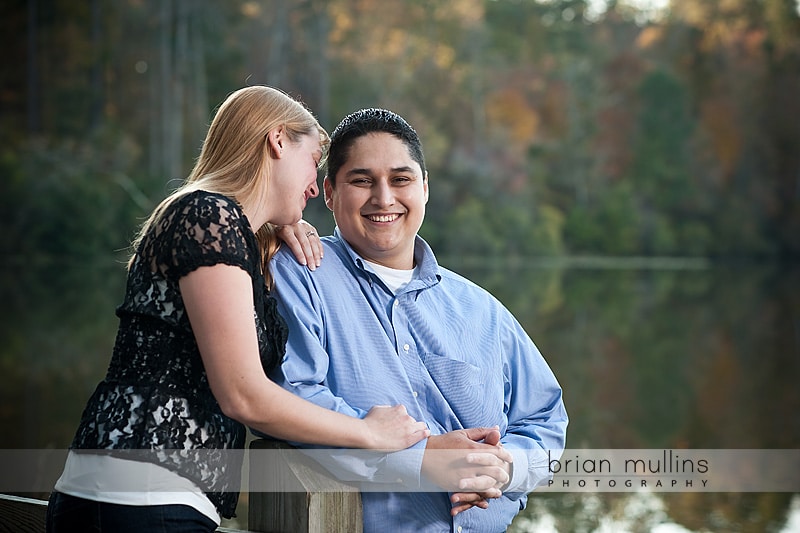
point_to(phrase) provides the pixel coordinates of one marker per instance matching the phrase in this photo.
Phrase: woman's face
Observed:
(294, 178)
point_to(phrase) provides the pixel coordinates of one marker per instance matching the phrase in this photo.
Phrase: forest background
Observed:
(556, 132)
(551, 128)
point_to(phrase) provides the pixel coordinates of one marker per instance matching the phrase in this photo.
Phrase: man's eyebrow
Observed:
(403, 169)
(369, 172)
(358, 171)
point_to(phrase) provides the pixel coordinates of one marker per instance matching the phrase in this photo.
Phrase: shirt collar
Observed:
(429, 274)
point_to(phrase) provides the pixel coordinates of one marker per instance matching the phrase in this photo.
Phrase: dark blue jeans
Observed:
(68, 514)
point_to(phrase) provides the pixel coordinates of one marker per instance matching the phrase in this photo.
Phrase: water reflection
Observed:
(648, 358)
(675, 358)
(56, 335)
(661, 513)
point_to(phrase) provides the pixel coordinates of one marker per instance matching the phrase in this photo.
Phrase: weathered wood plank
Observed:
(21, 515)
(306, 500)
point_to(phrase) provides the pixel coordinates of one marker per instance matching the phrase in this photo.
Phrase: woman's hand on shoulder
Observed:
(303, 240)
(392, 428)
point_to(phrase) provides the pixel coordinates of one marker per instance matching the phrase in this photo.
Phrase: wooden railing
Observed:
(21, 515)
(306, 498)
(310, 500)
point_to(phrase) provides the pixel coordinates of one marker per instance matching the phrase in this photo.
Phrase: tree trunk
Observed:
(278, 51)
(323, 111)
(179, 76)
(33, 109)
(199, 118)
(97, 103)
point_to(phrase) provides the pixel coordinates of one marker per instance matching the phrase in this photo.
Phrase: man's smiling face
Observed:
(379, 200)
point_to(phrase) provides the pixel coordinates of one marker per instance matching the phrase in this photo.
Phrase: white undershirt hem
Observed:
(108, 479)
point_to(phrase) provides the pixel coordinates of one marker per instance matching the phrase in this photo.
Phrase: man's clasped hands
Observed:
(470, 463)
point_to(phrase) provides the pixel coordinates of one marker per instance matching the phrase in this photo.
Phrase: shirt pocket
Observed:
(475, 395)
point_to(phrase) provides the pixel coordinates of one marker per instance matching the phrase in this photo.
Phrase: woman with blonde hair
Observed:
(198, 334)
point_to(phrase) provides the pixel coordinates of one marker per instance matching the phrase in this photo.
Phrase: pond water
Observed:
(683, 356)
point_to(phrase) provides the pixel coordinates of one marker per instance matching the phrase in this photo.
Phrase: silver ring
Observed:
(310, 233)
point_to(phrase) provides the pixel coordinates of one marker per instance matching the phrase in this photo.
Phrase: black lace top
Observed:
(155, 395)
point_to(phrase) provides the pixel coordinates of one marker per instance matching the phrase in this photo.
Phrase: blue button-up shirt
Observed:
(443, 347)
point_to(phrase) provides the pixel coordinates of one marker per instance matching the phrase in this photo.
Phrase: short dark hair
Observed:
(363, 122)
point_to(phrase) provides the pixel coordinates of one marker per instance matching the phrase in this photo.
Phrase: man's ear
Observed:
(327, 188)
(275, 141)
(425, 186)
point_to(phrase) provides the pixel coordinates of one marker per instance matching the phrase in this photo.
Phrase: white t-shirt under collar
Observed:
(394, 278)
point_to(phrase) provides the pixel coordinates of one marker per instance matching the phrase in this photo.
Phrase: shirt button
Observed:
(414, 393)
(396, 303)
(459, 529)
(406, 347)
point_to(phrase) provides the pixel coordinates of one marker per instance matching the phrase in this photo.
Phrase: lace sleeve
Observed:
(203, 229)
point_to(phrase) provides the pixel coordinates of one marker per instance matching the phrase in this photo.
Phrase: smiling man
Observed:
(378, 199)
(380, 322)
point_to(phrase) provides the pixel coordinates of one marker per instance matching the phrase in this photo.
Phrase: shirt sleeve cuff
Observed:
(404, 467)
(529, 470)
